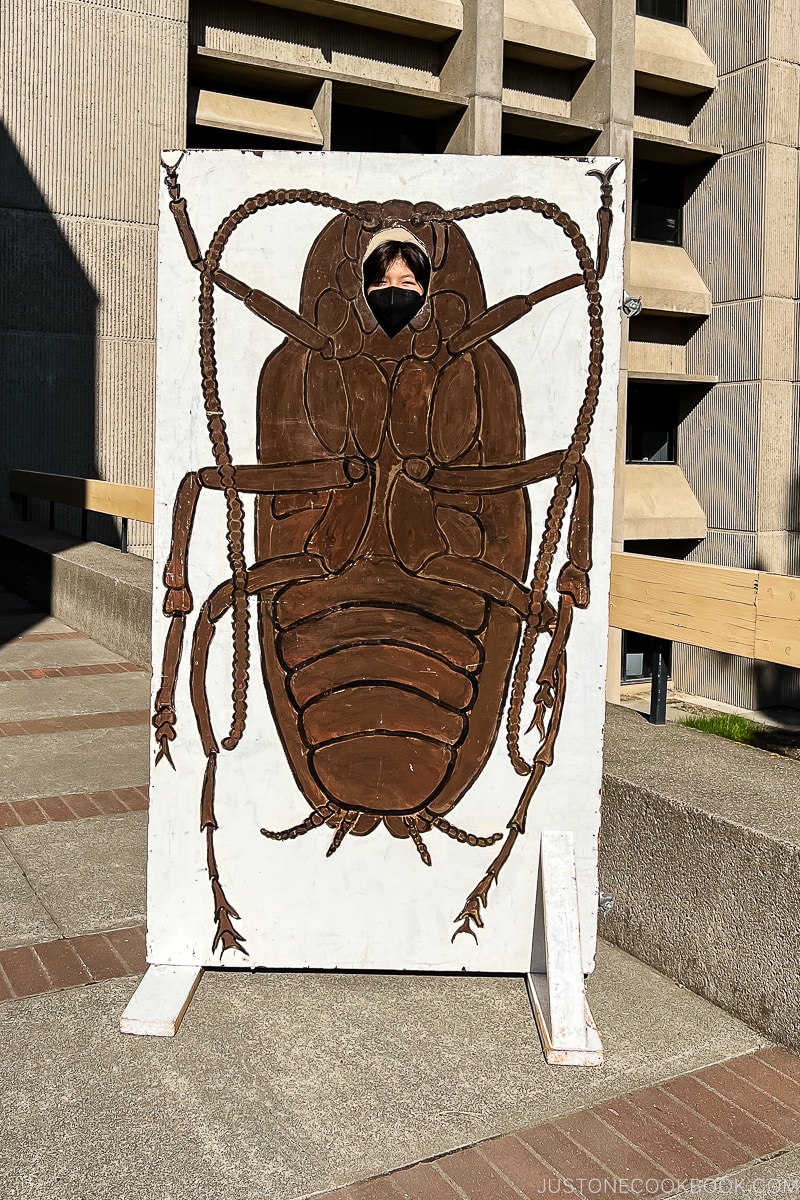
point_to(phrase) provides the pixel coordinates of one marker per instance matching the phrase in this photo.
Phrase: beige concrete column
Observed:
(474, 69)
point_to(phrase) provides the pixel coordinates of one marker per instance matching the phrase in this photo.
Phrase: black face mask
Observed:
(394, 307)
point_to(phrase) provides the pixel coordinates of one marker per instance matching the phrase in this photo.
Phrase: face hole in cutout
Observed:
(397, 273)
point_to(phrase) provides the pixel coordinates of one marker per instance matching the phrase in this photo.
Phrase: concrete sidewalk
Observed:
(281, 1085)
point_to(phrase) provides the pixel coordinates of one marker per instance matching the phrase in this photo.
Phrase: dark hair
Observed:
(415, 259)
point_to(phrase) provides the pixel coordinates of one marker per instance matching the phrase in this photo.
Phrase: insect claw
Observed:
(464, 927)
(537, 722)
(164, 753)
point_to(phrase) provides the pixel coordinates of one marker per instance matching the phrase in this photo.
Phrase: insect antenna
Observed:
(461, 835)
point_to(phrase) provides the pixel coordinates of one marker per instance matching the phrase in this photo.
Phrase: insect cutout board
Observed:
(380, 645)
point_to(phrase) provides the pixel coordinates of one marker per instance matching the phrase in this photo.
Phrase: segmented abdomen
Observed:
(382, 671)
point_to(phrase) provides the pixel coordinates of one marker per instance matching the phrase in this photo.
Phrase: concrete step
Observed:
(700, 845)
(92, 588)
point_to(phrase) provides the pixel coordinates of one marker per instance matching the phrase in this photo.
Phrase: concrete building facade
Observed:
(702, 101)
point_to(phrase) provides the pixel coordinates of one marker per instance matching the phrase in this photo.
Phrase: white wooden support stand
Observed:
(555, 983)
(157, 1006)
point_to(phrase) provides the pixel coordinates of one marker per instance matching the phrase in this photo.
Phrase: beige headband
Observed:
(394, 234)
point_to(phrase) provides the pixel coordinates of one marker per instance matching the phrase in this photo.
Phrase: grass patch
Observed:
(727, 725)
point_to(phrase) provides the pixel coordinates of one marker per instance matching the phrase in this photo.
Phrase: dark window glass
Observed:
(652, 423)
(637, 656)
(658, 194)
(663, 10)
(389, 133)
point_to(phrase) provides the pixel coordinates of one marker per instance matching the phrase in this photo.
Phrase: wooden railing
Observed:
(90, 495)
(744, 612)
(750, 613)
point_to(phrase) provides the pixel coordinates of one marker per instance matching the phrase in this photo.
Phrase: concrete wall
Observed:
(93, 92)
(739, 445)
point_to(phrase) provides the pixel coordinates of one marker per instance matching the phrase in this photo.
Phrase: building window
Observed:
(652, 423)
(673, 11)
(657, 189)
(638, 651)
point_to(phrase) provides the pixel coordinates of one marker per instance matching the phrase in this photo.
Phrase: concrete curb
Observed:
(90, 587)
(700, 847)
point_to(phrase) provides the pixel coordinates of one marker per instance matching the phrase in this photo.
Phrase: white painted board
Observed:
(373, 904)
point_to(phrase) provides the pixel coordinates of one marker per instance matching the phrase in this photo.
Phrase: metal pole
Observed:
(658, 685)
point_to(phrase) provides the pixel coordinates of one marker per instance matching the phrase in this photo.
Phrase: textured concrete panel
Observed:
(701, 847)
(781, 215)
(727, 549)
(720, 677)
(780, 338)
(723, 479)
(88, 874)
(784, 30)
(110, 93)
(734, 115)
(783, 109)
(728, 344)
(72, 275)
(722, 220)
(732, 33)
(777, 484)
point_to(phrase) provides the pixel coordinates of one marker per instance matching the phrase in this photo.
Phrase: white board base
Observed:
(555, 982)
(590, 1055)
(157, 1006)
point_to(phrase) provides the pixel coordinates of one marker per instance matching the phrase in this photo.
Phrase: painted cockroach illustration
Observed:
(391, 534)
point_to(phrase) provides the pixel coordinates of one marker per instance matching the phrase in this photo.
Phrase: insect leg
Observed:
(470, 914)
(217, 604)
(177, 603)
(573, 585)
(501, 315)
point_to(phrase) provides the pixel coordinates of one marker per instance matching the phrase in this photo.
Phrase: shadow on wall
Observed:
(48, 327)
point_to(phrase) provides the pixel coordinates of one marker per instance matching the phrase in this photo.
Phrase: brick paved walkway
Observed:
(653, 1141)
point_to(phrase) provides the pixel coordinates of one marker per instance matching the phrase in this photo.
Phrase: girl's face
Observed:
(398, 275)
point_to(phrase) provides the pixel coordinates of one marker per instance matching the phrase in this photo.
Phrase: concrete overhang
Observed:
(261, 117)
(650, 142)
(660, 505)
(669, 58)
(667, 281)
(550, 32)
(435, 20)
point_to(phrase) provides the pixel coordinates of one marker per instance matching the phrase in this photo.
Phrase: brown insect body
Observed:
(387, 683)
(392, 535)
